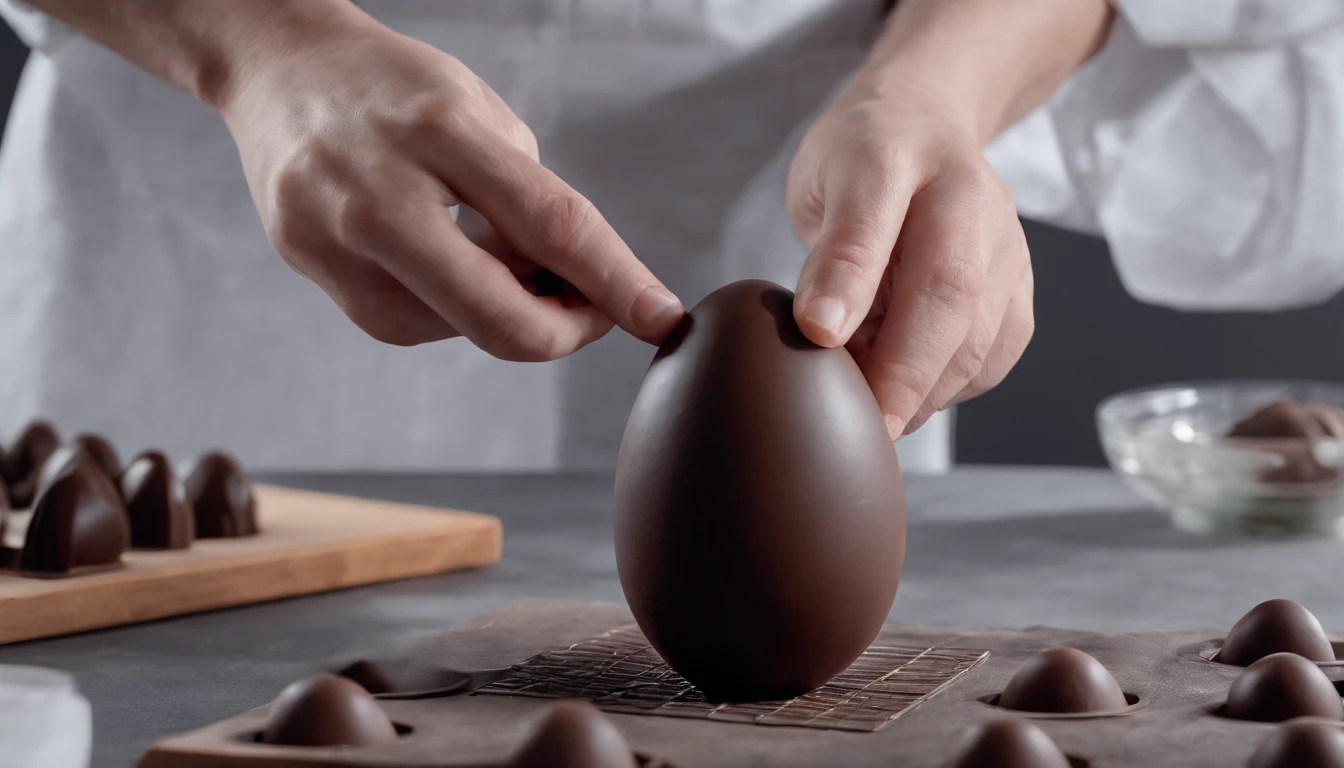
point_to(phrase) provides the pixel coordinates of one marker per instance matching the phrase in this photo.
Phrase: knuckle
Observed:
(886, 158)
(851, 261)
(523, 342)
(564, 223)
(956, 277)
(363, 221)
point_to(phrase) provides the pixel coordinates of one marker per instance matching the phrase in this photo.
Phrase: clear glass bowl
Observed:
(1168, 444)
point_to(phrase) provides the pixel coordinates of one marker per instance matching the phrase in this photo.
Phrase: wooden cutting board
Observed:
(310, 542)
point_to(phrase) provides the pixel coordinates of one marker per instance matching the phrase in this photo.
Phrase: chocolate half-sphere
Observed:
(160, 516)
(24, 461)
(1282, 686)
(101, 451)
(78, 523)
(1062, 680)
(221, 497)
(370, 675)
(573, 734)
(1290, 429)
(760, 516)
(1008, 742)
(1275, 626)
(326, 710)
(1301, 744)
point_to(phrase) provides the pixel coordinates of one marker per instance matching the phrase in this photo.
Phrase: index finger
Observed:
(553, 225)
(936, 291)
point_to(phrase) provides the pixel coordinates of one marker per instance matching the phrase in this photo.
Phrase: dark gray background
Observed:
(1092, 340)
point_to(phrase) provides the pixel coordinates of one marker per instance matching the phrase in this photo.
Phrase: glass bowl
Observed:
(1169, 445)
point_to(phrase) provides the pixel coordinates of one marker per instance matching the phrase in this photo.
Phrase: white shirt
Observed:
(142, 299)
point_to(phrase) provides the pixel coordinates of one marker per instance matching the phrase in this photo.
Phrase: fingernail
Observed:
(827, 312)
(656, 309)
(895, 427)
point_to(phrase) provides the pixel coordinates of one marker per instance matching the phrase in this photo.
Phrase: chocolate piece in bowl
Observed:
(326, 710)
(78, 525)
(1275, 626)
(1008, 742)
(221, 497)
(1062, 680)
(160, 516)
(1291, 429)
(1303, 743)
(759, 510)
(1280, 687)
(24, 460)
(573, 734)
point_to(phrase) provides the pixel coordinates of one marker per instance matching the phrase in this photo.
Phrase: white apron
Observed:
(141, 298)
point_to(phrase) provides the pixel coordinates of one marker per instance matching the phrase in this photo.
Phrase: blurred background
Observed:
(1092, 340)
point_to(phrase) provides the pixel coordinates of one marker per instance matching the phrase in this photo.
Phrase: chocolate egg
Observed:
(1275, 626)
(327, 710)
(1062, 680)
(1008, 742)
(221, 498)
(1282, 686)
(24, 460)
(760, 516)
(79, 523)
(160, 516)
(573, 734)
(1301, 744)
(101, 451)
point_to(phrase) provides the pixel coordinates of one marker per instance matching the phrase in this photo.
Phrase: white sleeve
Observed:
(1206, 144)
(36, 29)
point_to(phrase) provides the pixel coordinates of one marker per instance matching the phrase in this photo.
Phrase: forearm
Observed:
(988, 61)
(200, 46)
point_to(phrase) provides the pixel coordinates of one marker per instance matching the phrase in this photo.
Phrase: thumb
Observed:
(863, 207)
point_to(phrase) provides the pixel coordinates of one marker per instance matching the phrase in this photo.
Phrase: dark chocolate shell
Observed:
(1008, 742)
(326, 710)
(1280, 687)
(1062, 680)
(160, 516)
(573, 734)
(221, 497)
(1301, 744)
(102, 452)
(79, 523)
(24, 460)
(1275, 626)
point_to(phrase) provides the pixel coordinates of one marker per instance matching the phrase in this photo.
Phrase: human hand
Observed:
(919, 263)
(356, 141)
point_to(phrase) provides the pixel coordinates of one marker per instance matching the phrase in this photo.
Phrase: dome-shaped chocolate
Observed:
(221, 497)
(1301, 744)
(1275, 626)
(1008, 742)
(370, 675)
(573, 734)
(78, 523)
(160, 516)
(1282, 686)
(759, 511)
(1062, 680)
(24, 460)
(101, 451)
(326, 710)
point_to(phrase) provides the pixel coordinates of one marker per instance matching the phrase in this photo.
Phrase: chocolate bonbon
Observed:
(370, 675)
(101, 451)
(326, 710)
(1289, 429)
(1008, 742)
(759, 510)
(24, 460)
(1062, 680)
(79, 524)
(573, 734)
(160, 516)
(1275, 626)
(1301, 744)
(1280, 687)
(221, 497)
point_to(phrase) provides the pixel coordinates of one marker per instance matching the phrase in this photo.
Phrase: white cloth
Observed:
(142, 299)
(1206, 144)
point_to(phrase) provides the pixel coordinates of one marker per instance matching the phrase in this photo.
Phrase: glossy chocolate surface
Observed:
(221, 497)
(160, 516)
(1008, 742)
(759, 510)
(101, 451)
(79, 523)
(370, 675)
(1062, 680)
(24, 460)
(574, 734)
(327, 710)
(1301, 744)
(1282, 686)
(1275, 626)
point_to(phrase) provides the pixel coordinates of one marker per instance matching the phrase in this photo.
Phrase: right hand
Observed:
(357, 141)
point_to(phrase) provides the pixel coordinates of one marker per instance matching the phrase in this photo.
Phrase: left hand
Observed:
(919, 263)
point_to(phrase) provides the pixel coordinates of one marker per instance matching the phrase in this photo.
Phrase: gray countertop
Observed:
(986, 547)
